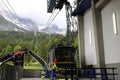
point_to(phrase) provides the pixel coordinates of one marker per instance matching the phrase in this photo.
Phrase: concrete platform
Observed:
(35, 79)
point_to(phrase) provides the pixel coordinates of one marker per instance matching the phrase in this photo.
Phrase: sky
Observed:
(36, 10)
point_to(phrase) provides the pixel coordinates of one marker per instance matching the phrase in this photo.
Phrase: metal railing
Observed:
(83, 73)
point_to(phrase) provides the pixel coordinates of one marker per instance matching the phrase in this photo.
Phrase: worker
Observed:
(55, 60)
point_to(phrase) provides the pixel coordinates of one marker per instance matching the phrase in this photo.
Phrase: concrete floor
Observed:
(34, 79)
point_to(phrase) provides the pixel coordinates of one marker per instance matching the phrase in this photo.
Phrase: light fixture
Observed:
(90, 37)
(115, 23)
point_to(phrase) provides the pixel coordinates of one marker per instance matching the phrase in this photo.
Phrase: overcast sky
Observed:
(36, 10)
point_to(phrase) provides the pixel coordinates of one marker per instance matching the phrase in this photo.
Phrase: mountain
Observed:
(26, 24)
(53, 29)
(6, 25)
(23, 23)
(30, 25)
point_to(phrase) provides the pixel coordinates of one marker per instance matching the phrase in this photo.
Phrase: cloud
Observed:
(33, 9)
(36, 10)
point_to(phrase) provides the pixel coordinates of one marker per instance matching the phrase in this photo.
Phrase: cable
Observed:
(51, 19)
(13, 10)
(1, 6)
(8, 9)
(4, 9)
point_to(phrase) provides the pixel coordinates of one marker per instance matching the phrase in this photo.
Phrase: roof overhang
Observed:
(82, 7)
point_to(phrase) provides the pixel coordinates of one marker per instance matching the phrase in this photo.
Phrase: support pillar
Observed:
(98, 34)
(81, 41)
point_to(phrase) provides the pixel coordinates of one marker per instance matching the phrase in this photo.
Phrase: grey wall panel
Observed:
(115, 65)
(90, 55)
(111, 41)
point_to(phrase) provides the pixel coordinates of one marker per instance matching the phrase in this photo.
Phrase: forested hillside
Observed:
(39, 43)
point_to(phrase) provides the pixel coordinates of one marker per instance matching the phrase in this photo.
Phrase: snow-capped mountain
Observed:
(20, 22)
(6, 25)
(29, 25)
(12, 19)
(53, 29)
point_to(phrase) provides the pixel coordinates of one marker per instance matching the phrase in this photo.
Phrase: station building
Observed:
(98, 31)
(99, 34)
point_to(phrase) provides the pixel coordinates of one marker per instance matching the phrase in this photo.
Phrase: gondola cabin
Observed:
(62, 58)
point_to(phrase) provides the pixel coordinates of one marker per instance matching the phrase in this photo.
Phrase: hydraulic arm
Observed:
(18, 58)
(5, 58)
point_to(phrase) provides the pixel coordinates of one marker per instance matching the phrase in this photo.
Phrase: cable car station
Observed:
(96, 23)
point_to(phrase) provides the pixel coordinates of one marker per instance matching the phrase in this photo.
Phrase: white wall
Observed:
(111, 41)
(90, 55)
